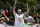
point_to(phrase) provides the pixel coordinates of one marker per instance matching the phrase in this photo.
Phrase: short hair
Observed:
(19, 10)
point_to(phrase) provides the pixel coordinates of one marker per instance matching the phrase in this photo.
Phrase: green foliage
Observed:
(20, 4)
(11, 2)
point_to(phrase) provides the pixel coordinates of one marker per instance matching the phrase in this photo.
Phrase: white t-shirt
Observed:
(17, 17)
(29, 18)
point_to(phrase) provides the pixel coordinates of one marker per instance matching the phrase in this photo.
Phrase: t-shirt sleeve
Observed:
(23, 14)
(16, 14)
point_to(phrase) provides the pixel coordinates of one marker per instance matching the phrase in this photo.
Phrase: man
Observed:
(33, 22)
(3, 23)
(8, 20)
(26, 22)
(30, 18)
(36, 17)
(18, 17)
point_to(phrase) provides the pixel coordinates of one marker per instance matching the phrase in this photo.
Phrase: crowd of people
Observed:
(21, 19)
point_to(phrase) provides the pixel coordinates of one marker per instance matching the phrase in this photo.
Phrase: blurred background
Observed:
(7, 6)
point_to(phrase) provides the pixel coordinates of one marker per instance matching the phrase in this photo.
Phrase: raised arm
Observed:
(14, 8)
(6, 17)
(27, 9)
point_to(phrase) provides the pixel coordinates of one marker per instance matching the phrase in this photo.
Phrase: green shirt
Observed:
(28, 24)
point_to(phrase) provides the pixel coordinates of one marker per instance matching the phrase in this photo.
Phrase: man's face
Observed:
(19, 12)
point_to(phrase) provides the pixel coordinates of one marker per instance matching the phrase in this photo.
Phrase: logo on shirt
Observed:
(19, 19)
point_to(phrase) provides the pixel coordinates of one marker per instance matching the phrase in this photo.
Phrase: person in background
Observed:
(33, 22)
(18, 16)
(4, 19)
(36, 18)
(30, 18)
(2, 22)
(26, 22)
(9, 20)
